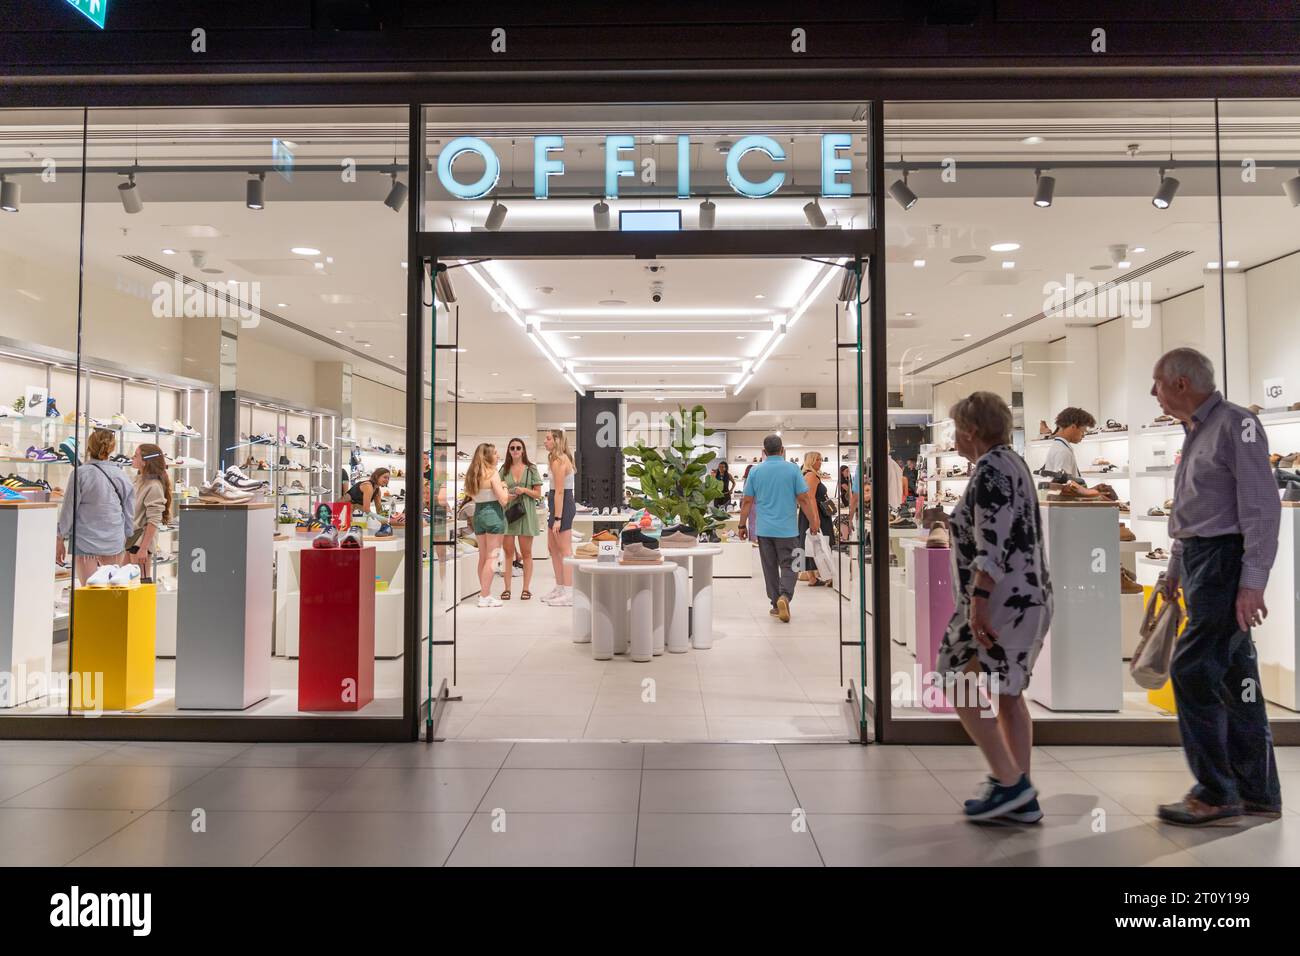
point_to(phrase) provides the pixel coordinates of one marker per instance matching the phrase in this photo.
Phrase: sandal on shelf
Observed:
(525, 595)
(1158, 555)
(1114, 426)
(505, 595)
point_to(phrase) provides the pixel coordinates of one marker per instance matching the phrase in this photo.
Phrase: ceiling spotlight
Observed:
(918, 263)
(1008, 263)
(1291, 187)
(813, 213)
(11, 195)
(1118, 254)
(129, 193)
(1044, 187)
(1123, 264)
(600, 215)
(902, 193)
(1164, 197)
(496, 217)
(307, 251)
(708, 214)
(1004, 246)
(1032, 140)
(255, 198)
(396, 197)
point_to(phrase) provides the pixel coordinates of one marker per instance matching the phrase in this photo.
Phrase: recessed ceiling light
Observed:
(966, 335)
(365, 345)
(740, 337)
(330, 260)
(392, 356)
(918, 263)
(1123, 264)
(495, 374)
(1004, 247)
(1008, 263)
(1032, 140)
(526, 394)
(575, 336)
(319, 265)
(169, 252)
(760, 296)
(304, 251)
(403, 265)
(612, 302)
(1211, 265)
(907, 314)
(338, 331)
(1139, 248)
(282, 305)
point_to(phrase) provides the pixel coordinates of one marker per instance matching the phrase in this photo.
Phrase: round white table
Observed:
(619, 607)
(699, 579)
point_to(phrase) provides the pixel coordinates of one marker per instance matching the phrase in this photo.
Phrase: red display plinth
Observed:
(336, 653)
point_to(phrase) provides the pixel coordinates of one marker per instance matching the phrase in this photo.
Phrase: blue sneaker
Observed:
(997, 801)
(8, 494)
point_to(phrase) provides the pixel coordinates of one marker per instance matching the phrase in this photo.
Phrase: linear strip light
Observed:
(815, 289)
(500, 300)
(651, 313)
(591, 370)
(652, 359)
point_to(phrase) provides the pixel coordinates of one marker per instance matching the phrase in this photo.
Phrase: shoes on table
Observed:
(1126, 533)
(220, 491)
(588, 550)
(1159, 554)
(938, 536)
(1127, 583)
(679, 536)
(237, 478)
(329, 538)
(639, 548)
(114, 576)
(352, 538)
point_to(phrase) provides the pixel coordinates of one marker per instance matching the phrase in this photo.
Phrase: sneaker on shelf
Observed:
(101, 576)
(41, 454)
(126, 575)
(296, 485)
(352, 538)
(605, 535)
(319, 490)
(120, 459)
(329, 538)
(639, 548)
(8, 494)
(320, 446)
(298, 442)
(51, 409)
(220, 491)
(938, 536)
(236, 477)
(386, 531)
(588, 550)
(7, 411)
(1127, 582)
(679, 536)
(68, 448)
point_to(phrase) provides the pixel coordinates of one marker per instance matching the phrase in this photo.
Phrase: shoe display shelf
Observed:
(1277, 640)
(27, 594)
(1154, 452)
(260, 415)
(1078, 668)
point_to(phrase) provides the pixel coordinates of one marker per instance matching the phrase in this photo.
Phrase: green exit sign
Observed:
(95, 10)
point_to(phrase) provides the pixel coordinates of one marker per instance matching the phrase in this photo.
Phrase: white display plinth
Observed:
(1277, 640)
(27, 533)
(1079, 667)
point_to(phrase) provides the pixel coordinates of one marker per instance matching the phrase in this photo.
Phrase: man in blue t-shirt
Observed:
(776, 490)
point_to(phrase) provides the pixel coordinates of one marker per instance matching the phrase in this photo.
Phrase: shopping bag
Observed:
(818, 547)
(1150, 664)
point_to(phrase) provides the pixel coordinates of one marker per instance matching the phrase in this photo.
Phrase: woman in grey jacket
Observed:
(104, 509)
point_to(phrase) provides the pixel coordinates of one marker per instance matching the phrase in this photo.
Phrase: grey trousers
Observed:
(777, 556)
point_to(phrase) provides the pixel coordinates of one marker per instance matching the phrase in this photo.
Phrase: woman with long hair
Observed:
(812, 468)
(485, 488)
(366, 493)
(559, 522)
(723, 474)
(102, 504)
(153, 506)
(524, 484)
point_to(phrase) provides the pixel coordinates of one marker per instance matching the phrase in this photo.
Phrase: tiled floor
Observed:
(465, 803)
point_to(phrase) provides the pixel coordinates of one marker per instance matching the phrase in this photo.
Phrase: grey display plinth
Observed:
(223, 620)
(1080, 665)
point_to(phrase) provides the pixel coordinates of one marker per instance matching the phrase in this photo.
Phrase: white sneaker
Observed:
(125, 576)
(221, 491)
(488, 602)
(564, 600)
(102, 576)
(551, 595)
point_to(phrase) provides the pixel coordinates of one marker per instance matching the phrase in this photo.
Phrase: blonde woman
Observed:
(559, 522)
(812, 468)
(485, 488)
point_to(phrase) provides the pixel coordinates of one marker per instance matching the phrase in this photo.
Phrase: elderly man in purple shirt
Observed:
(1224, 526)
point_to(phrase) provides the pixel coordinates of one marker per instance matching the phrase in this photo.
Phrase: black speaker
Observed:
(598, 451)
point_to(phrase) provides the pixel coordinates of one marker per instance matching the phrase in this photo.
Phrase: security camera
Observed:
(655, 268)
(656, 292)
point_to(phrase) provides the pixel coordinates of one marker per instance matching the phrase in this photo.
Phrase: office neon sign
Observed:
(548, 164)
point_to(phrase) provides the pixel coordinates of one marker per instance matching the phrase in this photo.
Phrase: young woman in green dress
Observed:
(524, 485)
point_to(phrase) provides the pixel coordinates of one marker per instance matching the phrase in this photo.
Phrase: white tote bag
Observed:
(818, 548)
(1150, 664)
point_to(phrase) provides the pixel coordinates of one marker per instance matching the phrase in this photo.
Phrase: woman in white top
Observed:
(559, 522)
(485, 488)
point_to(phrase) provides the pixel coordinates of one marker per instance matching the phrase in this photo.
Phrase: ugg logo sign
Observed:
(548, 162)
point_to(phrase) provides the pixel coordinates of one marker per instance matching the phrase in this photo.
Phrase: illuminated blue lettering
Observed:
(833, 164)
(615, 167)
(746, 188)
(491, 168)
(543, 166)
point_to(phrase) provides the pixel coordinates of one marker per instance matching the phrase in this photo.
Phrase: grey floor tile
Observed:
(575, 756)
(723, 839)
(306, 755)
(547, 839)
(1251, 842)
(564, 791)
(889, 791)
(261, 788)
(369, 839)
(710, 756)
(66, 753)
(969, 758)
(846, 756)
(1060, 792)
(16, 778)
(1288, 758)
(410, 790)
(1111, 841)
(1137, 791)
(41, 837)
(89, 787)
(168, 838)
(466, 754)
(900, 839)
(1142, 760)
(170, 754)
(716, 791)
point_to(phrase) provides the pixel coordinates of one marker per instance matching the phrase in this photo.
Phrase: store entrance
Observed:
(660, 363)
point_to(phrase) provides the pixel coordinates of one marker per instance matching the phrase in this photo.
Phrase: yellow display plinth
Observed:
(114, 636)
(1164, 697)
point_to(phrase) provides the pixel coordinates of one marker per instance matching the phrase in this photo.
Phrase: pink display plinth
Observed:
(934, 607)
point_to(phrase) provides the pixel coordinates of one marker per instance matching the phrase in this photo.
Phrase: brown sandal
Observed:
(505, 595)
(525, 595)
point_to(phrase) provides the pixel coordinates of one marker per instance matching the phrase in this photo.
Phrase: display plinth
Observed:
(336, 648)
(223, 657)
(113, 636)
(933, 610)
(1079, 667)
(1277, 640)
(27, 532)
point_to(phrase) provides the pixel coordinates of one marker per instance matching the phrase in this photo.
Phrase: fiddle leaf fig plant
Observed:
(676, 484)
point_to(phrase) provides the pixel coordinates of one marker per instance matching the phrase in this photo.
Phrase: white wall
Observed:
(994, 378)
(1058, 390)
(1112, 393)
(1273, 303)
(1183, 321)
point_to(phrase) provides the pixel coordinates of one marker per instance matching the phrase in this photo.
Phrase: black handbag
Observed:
(515, 512)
